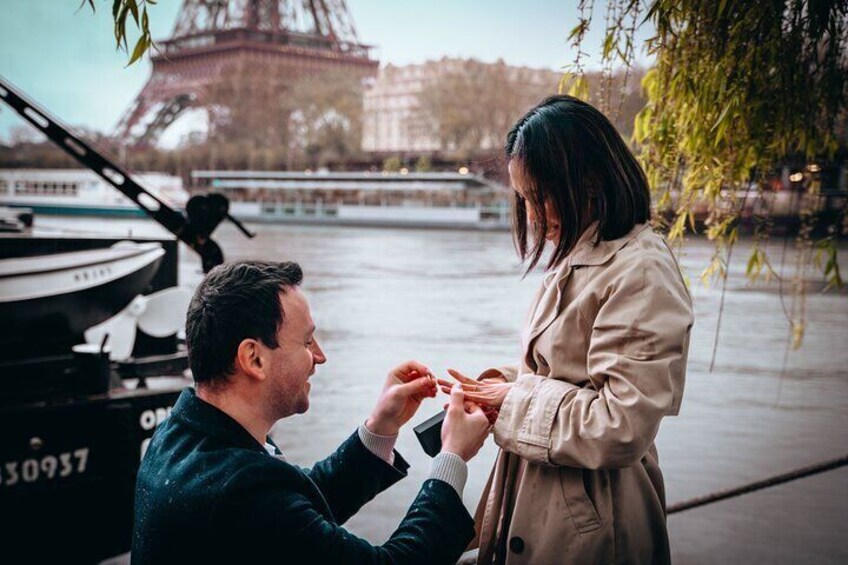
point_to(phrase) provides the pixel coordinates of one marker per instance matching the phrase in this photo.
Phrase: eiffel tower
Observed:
(212, 38)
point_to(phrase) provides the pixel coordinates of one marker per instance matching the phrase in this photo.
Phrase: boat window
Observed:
(44, 187)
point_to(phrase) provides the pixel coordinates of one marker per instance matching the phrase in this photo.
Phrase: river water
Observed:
(457, 299)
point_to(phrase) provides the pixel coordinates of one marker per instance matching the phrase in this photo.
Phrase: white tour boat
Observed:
(81, 192)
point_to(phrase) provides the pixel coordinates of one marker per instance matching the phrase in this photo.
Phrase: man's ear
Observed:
(249, 359)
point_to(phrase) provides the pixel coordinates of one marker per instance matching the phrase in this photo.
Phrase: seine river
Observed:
(457, 299)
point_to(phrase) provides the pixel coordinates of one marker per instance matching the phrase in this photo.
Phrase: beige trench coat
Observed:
(577, 478)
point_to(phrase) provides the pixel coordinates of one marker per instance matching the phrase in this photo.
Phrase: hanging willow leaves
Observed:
(739, 93)
(121, 10)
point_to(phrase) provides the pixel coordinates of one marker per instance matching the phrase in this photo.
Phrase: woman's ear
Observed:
(249, 359)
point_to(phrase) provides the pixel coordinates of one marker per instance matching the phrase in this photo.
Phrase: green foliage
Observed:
(392, 164)
(825, 259)
(121, 10)
(575, 85)
(739, 89)
(423, 164)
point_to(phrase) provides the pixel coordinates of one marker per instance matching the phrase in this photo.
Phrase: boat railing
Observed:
(298, 208)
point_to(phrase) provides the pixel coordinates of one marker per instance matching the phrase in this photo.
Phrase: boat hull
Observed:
(68, 210)
(47, 310)
(422, 217)
(69, 469)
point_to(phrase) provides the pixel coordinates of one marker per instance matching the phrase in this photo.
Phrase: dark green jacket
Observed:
(208, 492)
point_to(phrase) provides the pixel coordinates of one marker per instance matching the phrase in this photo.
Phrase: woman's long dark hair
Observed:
(574, 161)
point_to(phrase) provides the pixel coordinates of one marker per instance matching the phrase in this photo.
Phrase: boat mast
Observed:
(205, 212)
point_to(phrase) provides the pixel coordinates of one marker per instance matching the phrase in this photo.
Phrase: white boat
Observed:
(63, 294)
(403, 199)
(81, 192)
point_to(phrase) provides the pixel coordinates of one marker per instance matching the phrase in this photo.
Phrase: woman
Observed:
(577, 478)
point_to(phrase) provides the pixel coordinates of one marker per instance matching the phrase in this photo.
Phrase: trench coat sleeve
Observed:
(288, 528)
(636, 361)
(509, 372)
(352, 476)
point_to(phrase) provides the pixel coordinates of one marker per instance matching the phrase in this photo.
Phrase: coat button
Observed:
(516, 544)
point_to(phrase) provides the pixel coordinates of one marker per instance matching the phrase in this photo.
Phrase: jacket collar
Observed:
(586, 253)
(211, 421)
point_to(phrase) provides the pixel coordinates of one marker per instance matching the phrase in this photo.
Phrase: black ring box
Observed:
(429, 433)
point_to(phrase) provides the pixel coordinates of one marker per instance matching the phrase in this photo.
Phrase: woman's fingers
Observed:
(466, 385)
(478, 398)
(461, 378)
(473, 389)
(446, 386)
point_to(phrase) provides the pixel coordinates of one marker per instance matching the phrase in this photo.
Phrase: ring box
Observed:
(429, 433)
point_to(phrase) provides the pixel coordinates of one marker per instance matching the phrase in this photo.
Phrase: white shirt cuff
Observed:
(381, 446)
(450, 468)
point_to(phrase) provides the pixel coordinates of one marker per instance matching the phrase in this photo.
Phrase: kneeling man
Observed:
(213, 487)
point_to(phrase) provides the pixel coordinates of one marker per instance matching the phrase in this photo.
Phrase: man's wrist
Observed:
(381, 426)
(450, 468)
(448, 448)
(380, 445)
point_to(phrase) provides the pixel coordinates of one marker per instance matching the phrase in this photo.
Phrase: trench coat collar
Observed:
(585, 253)
(211, 421)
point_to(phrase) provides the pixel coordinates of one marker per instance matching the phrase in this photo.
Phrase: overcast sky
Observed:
(66, 61)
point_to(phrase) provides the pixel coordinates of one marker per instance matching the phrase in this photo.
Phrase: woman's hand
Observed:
(487, 393)
(406, 386)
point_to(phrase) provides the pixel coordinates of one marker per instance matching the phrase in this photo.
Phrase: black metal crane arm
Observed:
(194, 234)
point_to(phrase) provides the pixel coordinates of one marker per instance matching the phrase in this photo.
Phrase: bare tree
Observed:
(470, 105)
(325, 117)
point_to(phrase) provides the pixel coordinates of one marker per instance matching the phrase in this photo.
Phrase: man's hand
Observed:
(406, 386)
(490, 392)
(465, 427)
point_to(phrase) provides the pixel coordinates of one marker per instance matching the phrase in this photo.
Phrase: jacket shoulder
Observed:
(645, 266)
(646, 253)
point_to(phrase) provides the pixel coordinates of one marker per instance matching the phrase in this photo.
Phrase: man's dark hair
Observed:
(235, 301)
(573, 159)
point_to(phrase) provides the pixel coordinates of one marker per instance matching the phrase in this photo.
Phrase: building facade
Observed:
(392, 117)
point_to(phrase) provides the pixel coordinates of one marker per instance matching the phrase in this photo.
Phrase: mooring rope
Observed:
(759, 485)
(470, 557)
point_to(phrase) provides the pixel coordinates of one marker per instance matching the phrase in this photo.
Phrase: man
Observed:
(213, 487)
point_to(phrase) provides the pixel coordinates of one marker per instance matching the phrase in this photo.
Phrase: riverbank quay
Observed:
(457, 299)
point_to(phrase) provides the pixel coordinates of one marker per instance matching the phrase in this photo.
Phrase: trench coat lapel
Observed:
(548, 300)
(548, 303)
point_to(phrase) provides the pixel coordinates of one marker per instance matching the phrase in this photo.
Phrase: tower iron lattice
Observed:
(212, 39)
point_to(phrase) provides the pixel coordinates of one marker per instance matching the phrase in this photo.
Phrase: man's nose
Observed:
(318, 354)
